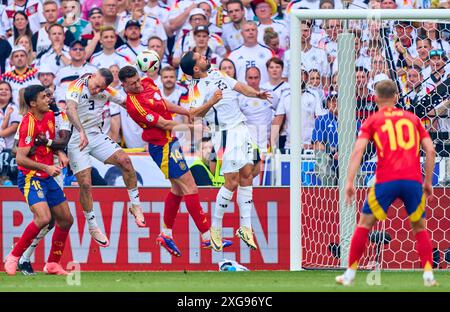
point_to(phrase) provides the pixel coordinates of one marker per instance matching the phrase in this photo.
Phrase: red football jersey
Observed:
(397, 135)
(145, 109)
(29, 128)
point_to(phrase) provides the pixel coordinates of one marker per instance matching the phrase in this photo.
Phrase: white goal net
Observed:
(350, 50)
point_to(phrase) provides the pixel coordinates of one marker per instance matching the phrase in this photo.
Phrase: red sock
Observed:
(357, 246)
(196, 212)
(26, 239)
(171, 207)
(58, 242)
(425, 249)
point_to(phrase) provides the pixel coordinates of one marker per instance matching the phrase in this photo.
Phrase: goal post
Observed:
(346, 120)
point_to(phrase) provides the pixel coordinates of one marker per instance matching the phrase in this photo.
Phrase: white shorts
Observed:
(238, 149)
(100, 146)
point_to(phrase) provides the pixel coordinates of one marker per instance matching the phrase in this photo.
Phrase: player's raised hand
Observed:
(53, 171)
(83, 141)
(217, 96)
(428, 189)
(350, 192)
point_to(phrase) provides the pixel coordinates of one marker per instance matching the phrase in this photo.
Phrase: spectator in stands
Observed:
(272, 40)
(150, 25)
(251, 53)
(88, 5)
(21, 27)
(78, 67)
(71, 18)
(121, 6)
(227, 66)
(431, 31)
(25, 41)
(264, 10)
(404, 43)
(180, 15)
(325, 139)
(333, 28)
(108, 56)
(187, 41)
(378, 66)
(22, 74)
(157, 44)
(32, 8)
(201, 38)
(275, 84)
(111, 111)
(312, 57)
(57, 56)
(40, 39)
(231, 32)
(133, 45)
(205, 169)
(259, 113)
(388, 4)
(47, 77)
(9, 116)
(421, 58)
(436, 72)
(314, 84)
(110, 12)
(412, 87)
(206, 6)
(365, 102)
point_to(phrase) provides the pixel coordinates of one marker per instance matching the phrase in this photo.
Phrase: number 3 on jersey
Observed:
(400, 133)
(91, 105)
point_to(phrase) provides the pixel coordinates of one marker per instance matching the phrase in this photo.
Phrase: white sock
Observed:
(134, 196)
(223, 198)
(90, 217)
(350, 274)
(428, 275)
(245, 202)
(206, 235)
(30, 250)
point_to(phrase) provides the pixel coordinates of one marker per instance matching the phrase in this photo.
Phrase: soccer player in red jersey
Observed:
(398, 136)
(148, 109)
(37, 183)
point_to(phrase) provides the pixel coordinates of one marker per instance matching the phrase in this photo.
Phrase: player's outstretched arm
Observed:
(176, 109)
(75, 120)
(250, 92)
(23, 161)
(202, 110)
(355, 161)
(430, 155)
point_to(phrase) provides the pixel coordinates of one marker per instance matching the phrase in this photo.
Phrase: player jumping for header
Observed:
(154, 114)
(229, 134)
(398, 136)
(85, 99)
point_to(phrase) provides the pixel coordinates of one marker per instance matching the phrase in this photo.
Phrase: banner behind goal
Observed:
(362, 47)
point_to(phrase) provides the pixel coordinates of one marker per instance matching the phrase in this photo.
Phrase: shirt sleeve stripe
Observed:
(138, 106)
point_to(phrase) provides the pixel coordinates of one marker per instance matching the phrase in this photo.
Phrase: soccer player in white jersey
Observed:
(231, 32)
(251, 53)
(85, 99)
(230, 136)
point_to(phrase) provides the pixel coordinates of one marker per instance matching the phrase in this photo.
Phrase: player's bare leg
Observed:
(425, 251)
(123, 161)
(64, 221)
(245, 202)
(41, 217)
(357, 248)
(85, 183)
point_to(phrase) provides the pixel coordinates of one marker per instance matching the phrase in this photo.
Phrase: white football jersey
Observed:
(256, 56)
(314, 58)
(90, 107)
(101, 60)
(232, 37)
(275, 91)
(280, 28)
(178, 97)
(66, 75)
(226, 113)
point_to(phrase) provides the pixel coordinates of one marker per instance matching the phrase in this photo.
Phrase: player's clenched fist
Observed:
(53, 171)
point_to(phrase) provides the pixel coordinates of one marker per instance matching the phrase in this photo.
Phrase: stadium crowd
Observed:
(52, 42)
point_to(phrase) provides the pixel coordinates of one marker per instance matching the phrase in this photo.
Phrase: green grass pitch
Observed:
(257, 281)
